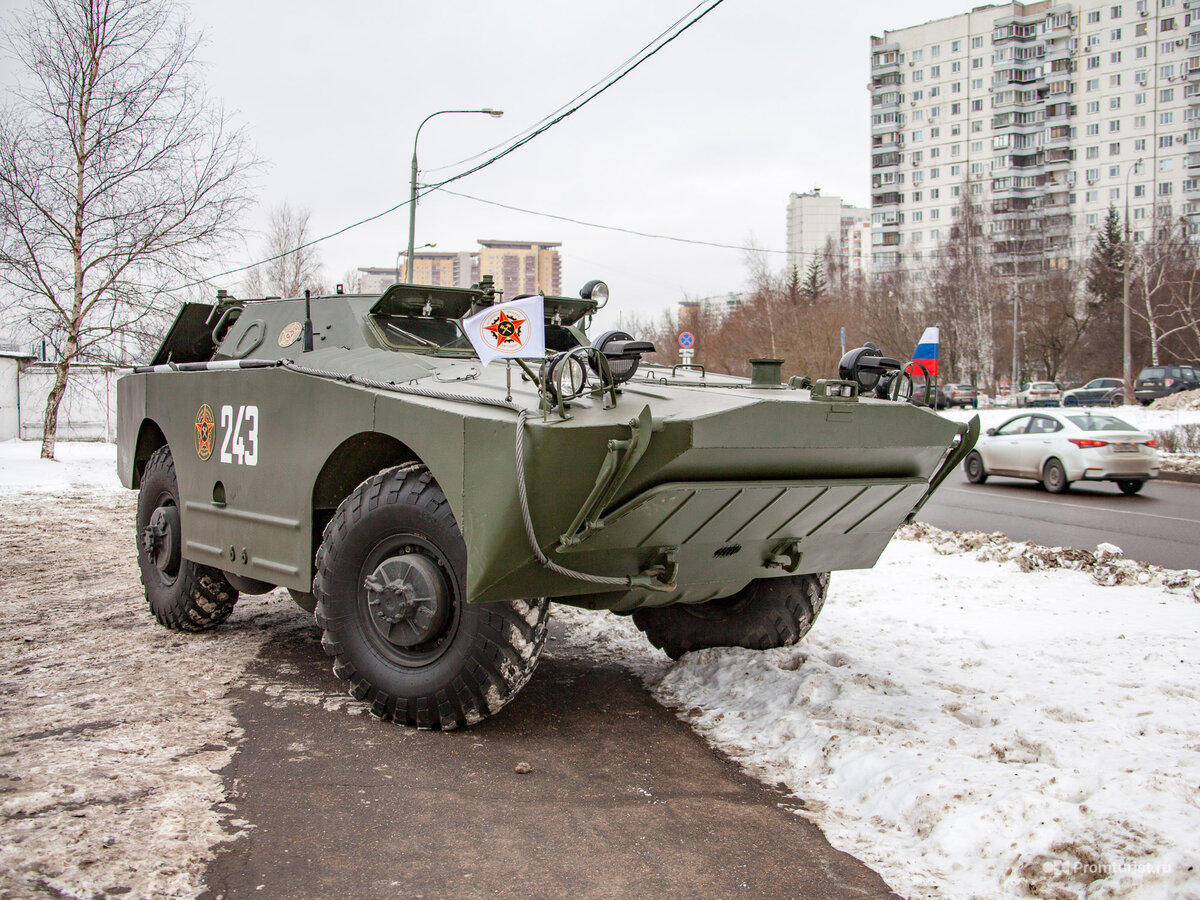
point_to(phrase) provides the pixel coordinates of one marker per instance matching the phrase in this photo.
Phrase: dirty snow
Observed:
(974, 717)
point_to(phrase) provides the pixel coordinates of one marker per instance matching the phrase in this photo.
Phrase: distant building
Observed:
(1039, 113)
(522, 267)
(813, 220)
(517, 267)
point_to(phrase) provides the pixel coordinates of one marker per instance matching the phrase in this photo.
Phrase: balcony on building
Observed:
(888, 140)
(884, 56)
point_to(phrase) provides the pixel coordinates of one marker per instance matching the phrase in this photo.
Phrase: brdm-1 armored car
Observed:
(355, 450)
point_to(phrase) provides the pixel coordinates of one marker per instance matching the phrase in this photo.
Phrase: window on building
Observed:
(935, 214)
(1093, 129)
(1140, 52)
(1092, 218)
(1091, 196)
(1114, 102)
(1166, 118)
(1139, 145)
(935, 152)
(955, 46)
(976, 42)
(1115, 35)
(935, 193)
(935, 50)
(1166, 95)
(935, 71)
(918, 76)
(1114, 126)
(1139, 190)
(1114, 80)
(916, 216)
(934, 92)
(1093, 175)
(918, 135)
(935, 131)
(1166, 165)
(1093, 17)
(976, 146)
(916, 196)
(976, 126)
(955, 171)
(1164, 188)
(1093, 62)
(1114, 193)
(1139, 213)
(1114, 149)
(1093, 107)
(1166, 71)
(1166, 4)
(955, 149)
(1092, 153)
(955, 130)
(1167, 24)
(977, 84)
(1139, 121)
(1114, 171)
(955, 109)
(956, 87)
(1093, 84)
(1166, 47)
(955, 67)
(917, 55)
(918, 115)
(977, 62)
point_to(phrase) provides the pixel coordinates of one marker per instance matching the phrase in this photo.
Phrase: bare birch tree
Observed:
(1167, 287)
(291, 268)
(117, 177)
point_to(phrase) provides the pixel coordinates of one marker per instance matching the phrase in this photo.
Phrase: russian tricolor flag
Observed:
(926, 353)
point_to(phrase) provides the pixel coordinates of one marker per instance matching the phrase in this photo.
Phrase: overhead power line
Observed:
(587, 97)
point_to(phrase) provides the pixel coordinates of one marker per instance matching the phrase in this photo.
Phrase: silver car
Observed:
(1057, 448)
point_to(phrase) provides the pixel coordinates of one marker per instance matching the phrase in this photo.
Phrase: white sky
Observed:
(705, 140)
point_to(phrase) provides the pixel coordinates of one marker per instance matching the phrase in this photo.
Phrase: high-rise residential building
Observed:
(814, 220)
(522, 267)
(1039, 113)
(454, 268)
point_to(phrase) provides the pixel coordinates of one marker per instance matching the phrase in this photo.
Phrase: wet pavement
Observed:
(622, 799)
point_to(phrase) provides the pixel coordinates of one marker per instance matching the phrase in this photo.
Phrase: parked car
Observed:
(963, 395)
(1040, 393)
(1057, 448)
(1097, 392)
(1159, 381)
(940, 401)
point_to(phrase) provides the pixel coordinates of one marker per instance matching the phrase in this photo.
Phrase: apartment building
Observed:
(813, 220)
(522, 267)
(1043, 114)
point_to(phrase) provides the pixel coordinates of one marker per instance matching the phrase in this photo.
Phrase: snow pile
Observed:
(1182, 400)
(1106, 566)
(972, 728)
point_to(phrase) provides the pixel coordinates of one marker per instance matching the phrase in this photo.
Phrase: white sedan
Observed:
(1057, 448)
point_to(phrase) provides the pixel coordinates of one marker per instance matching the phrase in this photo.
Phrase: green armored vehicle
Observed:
(354, 450)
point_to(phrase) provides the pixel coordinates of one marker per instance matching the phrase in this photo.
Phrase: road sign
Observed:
(687, 339)
(686, 354)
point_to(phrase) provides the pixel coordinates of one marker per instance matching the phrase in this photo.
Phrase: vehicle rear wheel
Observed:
(183, 595)
(1070, 401)
(1130, 485)
(769, 612)
(1054, 477)
(1116, 400)
(391, 589)
(973, 466)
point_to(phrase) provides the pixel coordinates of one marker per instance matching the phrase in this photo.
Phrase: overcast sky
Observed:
(705, 140)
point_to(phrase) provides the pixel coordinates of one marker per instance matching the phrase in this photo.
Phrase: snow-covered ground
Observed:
(972, 717)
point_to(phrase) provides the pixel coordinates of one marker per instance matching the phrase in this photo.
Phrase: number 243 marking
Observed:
(241, 435)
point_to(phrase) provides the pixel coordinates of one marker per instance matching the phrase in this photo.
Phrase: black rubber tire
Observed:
(1070, 401)
(1054, 477)
(186, 596)
(769, 612)
(1130, 485)
(974, 468)
(474, 658)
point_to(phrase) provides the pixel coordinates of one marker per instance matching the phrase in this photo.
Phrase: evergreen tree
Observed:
(1106, 264)
(814, 280)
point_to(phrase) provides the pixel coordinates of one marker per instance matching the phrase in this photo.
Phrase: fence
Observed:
(88, 411)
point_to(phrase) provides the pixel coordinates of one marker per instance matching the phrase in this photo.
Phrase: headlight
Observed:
(595, 290)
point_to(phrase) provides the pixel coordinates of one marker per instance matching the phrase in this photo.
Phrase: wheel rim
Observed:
(159, 538)
(1054, 476)
(973, 466)
(408, 601)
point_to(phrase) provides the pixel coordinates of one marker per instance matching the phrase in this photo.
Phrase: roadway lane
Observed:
(1161, 525)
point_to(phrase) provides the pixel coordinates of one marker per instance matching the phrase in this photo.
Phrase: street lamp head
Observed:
(494, 113)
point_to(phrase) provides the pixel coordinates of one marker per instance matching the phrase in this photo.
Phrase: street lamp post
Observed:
(1126, 342)
(412, 193)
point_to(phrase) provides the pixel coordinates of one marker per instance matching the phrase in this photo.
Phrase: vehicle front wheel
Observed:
(1130, 485)
(973, 466)
(391, 598)
(1054, 477)
(183, 595)
(769, 612)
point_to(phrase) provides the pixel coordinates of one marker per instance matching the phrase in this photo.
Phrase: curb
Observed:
(1178, 477)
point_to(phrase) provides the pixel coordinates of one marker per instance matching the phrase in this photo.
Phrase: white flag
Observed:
(512, 330)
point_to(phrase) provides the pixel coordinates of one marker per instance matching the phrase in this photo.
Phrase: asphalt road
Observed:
(623, 800)
(1161, 525)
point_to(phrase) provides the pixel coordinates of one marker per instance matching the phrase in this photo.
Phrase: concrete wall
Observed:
(9, 420)
(88, 411)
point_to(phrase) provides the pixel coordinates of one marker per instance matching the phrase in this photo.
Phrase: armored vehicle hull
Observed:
(354, 450)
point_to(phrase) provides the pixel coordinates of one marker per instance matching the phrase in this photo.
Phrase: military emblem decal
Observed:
(205, 426)
(505, 332)
(290, 334)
